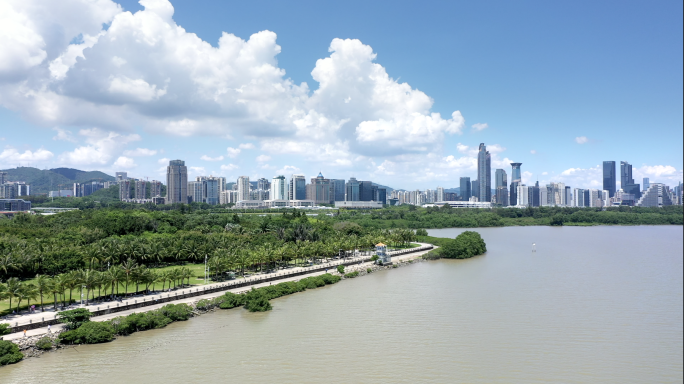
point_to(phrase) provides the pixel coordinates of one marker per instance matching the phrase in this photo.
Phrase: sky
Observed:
(398, 92)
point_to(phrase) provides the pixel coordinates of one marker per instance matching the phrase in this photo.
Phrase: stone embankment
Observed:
(27, 345)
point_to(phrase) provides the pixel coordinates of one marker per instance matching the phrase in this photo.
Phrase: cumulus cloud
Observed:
(658, 174)
(140, 152)
(124, 162)
(13, 156)
(101, 148)
(228, 167)
(480, 126)
(581, 140)
(533, 151)
(263, 158)
(63, 135)
(288, 170)
(207, 158)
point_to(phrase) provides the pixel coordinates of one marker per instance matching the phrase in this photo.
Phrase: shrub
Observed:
(92, 332)
(44, 343)
(421, 232)
(257, 301)
(340, 268)
(351, 275)
(5, 329)
(74, 318)
(433, 254)
(467, 244)
(9, 353)
(231, 300)
(375, 257)
(369, 270)
(176, 312)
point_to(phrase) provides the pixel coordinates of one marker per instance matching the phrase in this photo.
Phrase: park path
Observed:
(50, 314)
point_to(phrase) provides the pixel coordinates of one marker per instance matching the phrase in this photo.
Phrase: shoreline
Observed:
(27, 344)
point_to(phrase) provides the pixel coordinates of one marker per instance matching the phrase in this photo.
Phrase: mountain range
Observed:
(45, 180)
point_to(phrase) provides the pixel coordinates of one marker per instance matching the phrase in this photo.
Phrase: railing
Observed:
(134, 303)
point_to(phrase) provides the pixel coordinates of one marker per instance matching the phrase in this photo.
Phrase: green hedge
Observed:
(9, 353)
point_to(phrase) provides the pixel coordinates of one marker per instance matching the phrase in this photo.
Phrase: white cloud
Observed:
(288, 170)
(233, 152)
(139, 152)
(533, 151)
(480, 126)
(246, 146)
(207, 158)
(13, 156)
(581, 140)
(263, 158)
(583, 177)
(63, 135)
(658, 174)
(101, 148)
(163, 160)
(228, 167)
(197, 171)
(135, 89)
(124, 162)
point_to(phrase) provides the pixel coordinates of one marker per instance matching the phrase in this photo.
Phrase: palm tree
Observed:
(28, 292)
(43, 284)
(13, 289)
(3, 292)
(186, 274)
(89, 279)
(55, 288)
(64, 283)
(128, 267)
(7, 263)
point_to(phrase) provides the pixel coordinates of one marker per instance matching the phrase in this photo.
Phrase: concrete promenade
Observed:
(260, 280)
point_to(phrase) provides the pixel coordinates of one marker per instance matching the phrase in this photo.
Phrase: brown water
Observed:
(592, 305)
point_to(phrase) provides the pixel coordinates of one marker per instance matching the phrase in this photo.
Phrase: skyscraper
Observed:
(212, 190)
(279, 189)
(647, 184)
(484, 174)
(155, 188)
(176, 182)
(338, 189)
(297, 187)
(516, 179)
(124, 189)
(319, 190)
(3, 178)
(609, 177)
(352, 187)
(243, 188)
(465, 188)
(475, 188)
(627, 181)
(440, 194)
(365, 190)
(140, 189)
(500, 179)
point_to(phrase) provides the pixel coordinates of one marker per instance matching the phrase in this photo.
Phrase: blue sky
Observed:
(559, 87)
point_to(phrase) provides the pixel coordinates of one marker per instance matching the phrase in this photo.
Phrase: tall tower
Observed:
(625, 174)
(278, 188)
(609, 177)
(465, 188)
(516, 180)
(176, 182)
(243, 188)
(484, 174)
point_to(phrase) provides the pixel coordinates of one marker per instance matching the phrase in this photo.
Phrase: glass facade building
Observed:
(609, 179)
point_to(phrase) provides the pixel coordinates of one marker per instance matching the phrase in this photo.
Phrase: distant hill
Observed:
(43, 180)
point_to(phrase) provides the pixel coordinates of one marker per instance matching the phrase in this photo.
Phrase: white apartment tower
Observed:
(243, 188)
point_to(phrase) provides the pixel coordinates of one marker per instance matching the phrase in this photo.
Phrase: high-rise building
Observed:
(125, 189)
(297, 188)
(7, 191)
(568, 196)
(365, 191)
(243, 188)
(647, 183)
(484, 174)
(263, 184)
(381, 195)
(500, 179)
(338, 189)
(120, 176)
(516, 179)
(657, 195)
(352, 190)
(475, 189)
(625, 174)
(140, 189)
(319, 190)
(535, 195)
(279, 188)
(155, 188)
(609, 179)
(502, 196)
(176, 182)
(3, 178)
(465, 188)
(212, 190)
(440, 194)
(196, 191)
(578, 198)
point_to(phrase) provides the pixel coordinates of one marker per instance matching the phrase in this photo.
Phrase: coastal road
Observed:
(36, 317)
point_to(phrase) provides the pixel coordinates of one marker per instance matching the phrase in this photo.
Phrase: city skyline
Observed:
(561, 125)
